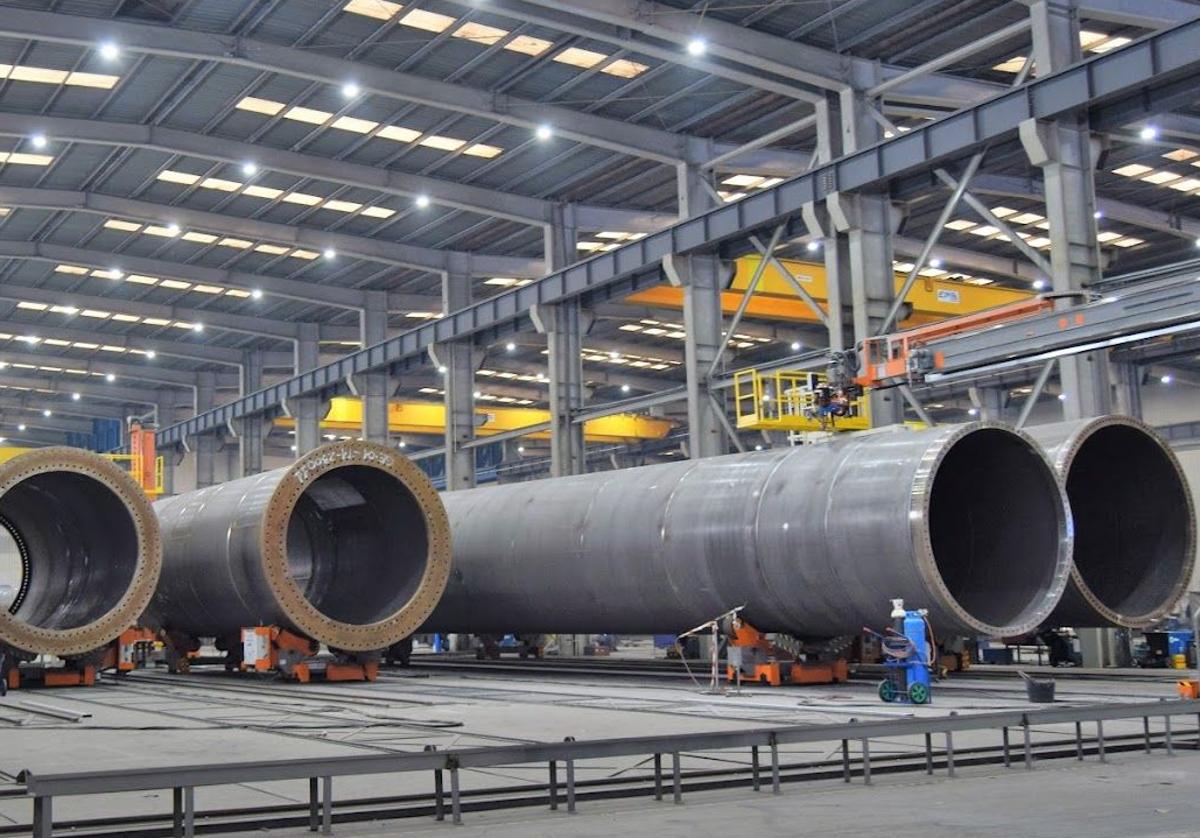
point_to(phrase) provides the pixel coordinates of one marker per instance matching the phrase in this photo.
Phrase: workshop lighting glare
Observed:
(615, 355)
(75, 397)
(403, 444)
(21, 427)
(758, 448)
(110, 51)
(1039, 284)
(795, 346)
(697, 47)
(1148, 133)
(813, 246)
(47, 413)
(624, 388)
(974, 411)
(329, 253)
(110, 378)
(510, 347)
(1166, 379)
(441, 370)
(151, 354)
(544, 132)
(351, 90)
(293, 449)
(1062, 397)
(477, 394)
(38, 140)
(256, 294)
(422, 201)
(1097, 215)
(520, 449)
(935, 263)
(173, 229)
(249, 168)
(197, 327)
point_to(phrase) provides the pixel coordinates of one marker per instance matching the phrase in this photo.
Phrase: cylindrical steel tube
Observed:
(349, 545)
(968, 521)
(88, 548)
(1135, 524)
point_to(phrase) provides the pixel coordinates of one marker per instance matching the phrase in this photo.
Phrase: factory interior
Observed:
(663, 418)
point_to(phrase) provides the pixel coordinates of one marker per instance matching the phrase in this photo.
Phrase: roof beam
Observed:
(292, 289)
(153, 373)
(1146, 77)
(69, 425)
(1140, 13)
(522, 209)
(1139, 216)
(64, 406)
(378, 250)
(768, 53)
(970, 260)
(167, 348)
(19, 380)
(245, 324)
(615, 135)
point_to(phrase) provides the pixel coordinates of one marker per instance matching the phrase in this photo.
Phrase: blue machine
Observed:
(908, 656)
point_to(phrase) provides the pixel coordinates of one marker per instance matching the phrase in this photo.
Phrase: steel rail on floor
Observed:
(183, 780)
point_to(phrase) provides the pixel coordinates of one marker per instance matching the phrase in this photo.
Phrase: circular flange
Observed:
(921, 499)
(86, 638)
(300, 476)
(1063, 458)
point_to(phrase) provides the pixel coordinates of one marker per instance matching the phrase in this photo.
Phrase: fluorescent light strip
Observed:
(42, 75)
(255, 191)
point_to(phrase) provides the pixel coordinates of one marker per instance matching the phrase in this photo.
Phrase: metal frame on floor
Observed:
(183, 780)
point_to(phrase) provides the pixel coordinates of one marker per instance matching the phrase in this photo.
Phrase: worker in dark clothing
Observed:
(1059, 647)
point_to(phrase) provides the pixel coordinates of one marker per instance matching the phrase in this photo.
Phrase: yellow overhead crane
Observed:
(429, 418)
(774, 299)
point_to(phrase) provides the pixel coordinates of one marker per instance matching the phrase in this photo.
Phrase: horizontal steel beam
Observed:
(1139, 13)
(520, 208)
(245, 324)
(374, 249)
(291, 289)
(591, 129)
(969, 260)
(166, 348)
(10, 419)
(1127, 80)
(62, 405)
(761, 51)
(17, 380)
(150, 372)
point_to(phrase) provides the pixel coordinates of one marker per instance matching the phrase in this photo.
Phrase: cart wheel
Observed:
(918, 693)
(887, 691)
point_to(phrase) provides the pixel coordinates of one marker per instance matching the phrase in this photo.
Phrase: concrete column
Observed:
(206, 444)
(374, 387)
(563, 325)
(250, 442)
(1063, 151)
(306, 410)
(458, 381)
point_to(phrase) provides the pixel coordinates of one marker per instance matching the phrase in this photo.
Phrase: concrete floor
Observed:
(154, 720)
(1135, 796)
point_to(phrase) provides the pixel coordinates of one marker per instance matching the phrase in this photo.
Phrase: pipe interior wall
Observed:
(1135, 522)
(349, 546)
(968, 521)
(87, 543)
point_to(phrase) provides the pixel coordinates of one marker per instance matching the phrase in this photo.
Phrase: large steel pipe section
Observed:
(88, 549)
(1135, 525)
(349, 546)
(968, 521)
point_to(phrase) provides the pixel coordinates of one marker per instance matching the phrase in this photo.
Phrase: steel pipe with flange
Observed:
(348, 546)
(1135, 522)
(86, 544)
(969, 521)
